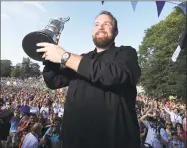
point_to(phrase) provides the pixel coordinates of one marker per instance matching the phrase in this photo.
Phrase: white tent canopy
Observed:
(140, 89)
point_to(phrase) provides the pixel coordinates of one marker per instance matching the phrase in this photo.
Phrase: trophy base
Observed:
(29, 44)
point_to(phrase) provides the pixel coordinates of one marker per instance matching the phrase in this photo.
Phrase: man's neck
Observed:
(103, 49)
(176, 114)
(100, 49)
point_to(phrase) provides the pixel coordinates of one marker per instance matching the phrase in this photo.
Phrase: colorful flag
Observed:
(183, 7)
(176, 54)
(134, 3)
(184, 41)
(160, 6)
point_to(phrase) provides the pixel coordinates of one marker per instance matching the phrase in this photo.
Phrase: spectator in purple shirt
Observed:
(25, 108)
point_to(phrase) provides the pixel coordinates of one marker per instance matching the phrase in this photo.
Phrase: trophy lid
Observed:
(60, 19)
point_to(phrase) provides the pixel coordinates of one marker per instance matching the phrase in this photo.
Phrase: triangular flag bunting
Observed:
(184, 41)
(176, 54)
(182, 45)
(102, 2)
(183, 7)
(134, 3)
(160, 6)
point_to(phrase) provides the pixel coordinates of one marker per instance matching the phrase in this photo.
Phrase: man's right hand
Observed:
(149, 115)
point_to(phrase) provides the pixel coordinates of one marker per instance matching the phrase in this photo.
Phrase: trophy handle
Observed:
(57, 38)
(50, 20)
(66, 19)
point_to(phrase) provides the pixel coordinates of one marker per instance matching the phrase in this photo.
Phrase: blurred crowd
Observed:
(36, 82)
(162, 123)
(27, 108)
(31, 116)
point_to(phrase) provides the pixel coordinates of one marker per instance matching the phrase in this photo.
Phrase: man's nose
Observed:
(101, 27)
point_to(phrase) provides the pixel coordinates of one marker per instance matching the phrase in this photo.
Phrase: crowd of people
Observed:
(23, 82)
(25, 110)
(28, 114)
(162, 123)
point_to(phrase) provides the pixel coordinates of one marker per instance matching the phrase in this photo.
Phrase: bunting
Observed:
(182, 45)
(183, 7)
(134, 3)
(176, 54)
(160, 6)
(184, 41)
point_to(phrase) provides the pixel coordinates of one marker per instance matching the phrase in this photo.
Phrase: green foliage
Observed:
(5, 68)
(25, 69)
(160, 76)
(29, 68)
(16, 72)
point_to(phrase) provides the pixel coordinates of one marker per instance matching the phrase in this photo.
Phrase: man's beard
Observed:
(103, 42)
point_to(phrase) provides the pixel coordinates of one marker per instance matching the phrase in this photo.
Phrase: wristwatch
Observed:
(64, 58)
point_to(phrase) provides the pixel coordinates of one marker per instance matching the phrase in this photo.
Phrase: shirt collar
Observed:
(110, 47)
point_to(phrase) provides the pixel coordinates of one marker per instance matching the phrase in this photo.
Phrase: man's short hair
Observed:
(113, 18)
(177, 109)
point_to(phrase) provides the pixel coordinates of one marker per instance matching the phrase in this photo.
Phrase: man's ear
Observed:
(116, 33)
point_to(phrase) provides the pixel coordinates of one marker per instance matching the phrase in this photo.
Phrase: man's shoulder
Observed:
(127, 52)
(123, 48)
(29, 140)
(31, 135)
(28, 136)
(88, 53)
(162, 129)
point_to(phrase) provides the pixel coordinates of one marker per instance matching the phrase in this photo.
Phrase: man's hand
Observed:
(149, 115)
(52, 52)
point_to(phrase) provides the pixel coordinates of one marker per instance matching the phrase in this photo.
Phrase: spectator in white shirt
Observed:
(56, 107)
(45, 111)
(184, 122)
(175, 142)
(34, 109)
(156, 136)
(31, 139)
(175, 117)
(61, 111)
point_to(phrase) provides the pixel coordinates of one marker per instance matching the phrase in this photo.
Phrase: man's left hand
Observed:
(52, 52)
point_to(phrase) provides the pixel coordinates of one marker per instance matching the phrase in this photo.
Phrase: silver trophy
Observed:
(51, 34)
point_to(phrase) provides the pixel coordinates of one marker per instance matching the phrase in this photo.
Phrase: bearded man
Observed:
(100, 106)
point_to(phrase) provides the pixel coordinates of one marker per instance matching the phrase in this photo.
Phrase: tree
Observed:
(5, 68)
(25, 69)
(16, 72)
(34, 69)
(25, 65)
(30, 69)
(160, 76)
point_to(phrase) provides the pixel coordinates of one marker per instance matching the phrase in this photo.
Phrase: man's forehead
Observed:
(103, 18)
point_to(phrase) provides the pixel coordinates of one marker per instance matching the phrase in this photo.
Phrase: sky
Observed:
(20, 18)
